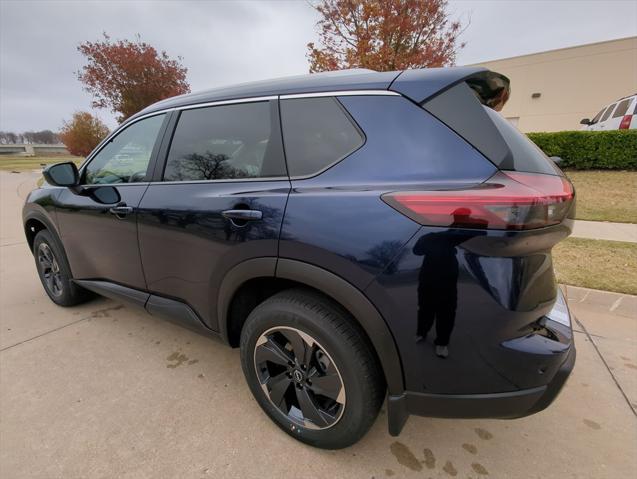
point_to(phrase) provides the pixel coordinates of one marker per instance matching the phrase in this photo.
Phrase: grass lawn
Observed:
(27, 163)
(605, 195)
(597, 264)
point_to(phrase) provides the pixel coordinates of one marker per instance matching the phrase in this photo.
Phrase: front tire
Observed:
(55, 273)
(311, 369)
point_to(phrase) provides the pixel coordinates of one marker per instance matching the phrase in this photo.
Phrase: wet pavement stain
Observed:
(177, 358)
(430, 459)
(479, 469)
(389, 472)
(106, 312)
(200, 376)
(157, 342)
(193, 361)
(592, 424)
(404, 456)
(629, 365)
(470, 448)
(483, 433)
(450, 469)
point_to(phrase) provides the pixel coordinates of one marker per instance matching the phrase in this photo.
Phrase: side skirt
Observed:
(166, 308)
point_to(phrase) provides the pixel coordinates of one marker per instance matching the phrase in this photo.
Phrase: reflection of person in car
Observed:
(437, 284)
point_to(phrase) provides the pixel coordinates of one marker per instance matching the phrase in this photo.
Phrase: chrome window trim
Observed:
(193, 106)
(339, 93)
(223, 180)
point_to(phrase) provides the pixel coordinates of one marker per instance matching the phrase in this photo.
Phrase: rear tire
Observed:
(55, 273)
(312, 369)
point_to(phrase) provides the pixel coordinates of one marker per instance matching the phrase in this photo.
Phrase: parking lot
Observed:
(103, 390)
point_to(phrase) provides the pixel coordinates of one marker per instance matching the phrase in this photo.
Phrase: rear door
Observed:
(101, 241)
(217, 200)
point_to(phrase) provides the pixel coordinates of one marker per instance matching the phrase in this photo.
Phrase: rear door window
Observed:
(608, 112)
(226, 142)
(317, 133)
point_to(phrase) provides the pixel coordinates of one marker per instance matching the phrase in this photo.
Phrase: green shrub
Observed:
(582, 150)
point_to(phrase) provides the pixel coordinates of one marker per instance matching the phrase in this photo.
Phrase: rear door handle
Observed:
(121, 211)
(245, 215)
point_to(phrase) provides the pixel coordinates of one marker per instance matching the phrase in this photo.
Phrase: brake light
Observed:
(507, 201)
(625, 123)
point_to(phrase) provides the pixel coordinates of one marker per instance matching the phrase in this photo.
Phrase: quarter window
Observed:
(126, 157)
(317, 133)
(226, 142)
(622, 108)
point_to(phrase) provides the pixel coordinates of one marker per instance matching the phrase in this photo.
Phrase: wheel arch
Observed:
(285, 273)
(34, 222)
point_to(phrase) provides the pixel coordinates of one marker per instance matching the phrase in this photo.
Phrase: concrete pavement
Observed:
(605, 230)
(103, 390)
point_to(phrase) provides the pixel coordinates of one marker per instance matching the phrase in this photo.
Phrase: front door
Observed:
(100, 240)
(219, 201)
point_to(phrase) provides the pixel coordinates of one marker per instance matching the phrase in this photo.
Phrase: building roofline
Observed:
(551, 51)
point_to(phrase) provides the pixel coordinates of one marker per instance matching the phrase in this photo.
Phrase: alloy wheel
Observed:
(50, 270)
(299, 377)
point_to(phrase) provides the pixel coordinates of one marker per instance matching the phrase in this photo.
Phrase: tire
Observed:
(313, 408)
(55, 273)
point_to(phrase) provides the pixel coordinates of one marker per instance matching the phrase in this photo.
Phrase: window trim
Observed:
(170, 124)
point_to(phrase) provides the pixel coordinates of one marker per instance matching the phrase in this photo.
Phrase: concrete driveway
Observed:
(103, 390)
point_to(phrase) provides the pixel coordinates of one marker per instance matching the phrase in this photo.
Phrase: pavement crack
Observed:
(44, 334)
(599, 353)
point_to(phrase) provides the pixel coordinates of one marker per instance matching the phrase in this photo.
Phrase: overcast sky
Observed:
(224, 42)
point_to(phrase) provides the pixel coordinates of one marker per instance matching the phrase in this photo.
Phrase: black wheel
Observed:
(311, 369)
(55, 273)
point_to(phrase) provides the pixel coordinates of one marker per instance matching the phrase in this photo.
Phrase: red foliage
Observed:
(83, 133)
(384, 35)
(128, 76)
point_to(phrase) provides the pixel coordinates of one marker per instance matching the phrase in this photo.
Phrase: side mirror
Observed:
(585, 121)
(62, 174)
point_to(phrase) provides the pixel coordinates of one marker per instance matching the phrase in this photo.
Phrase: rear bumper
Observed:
(508, 405)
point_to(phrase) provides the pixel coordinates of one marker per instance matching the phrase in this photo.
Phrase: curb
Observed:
(619, 304)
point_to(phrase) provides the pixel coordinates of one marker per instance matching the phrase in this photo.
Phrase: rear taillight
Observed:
(507, 201)
(625, 123)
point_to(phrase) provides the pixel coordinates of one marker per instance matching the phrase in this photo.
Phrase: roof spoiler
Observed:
(492, 89)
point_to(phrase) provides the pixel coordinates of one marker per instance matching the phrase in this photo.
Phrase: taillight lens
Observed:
(625, 123)
(507, 201)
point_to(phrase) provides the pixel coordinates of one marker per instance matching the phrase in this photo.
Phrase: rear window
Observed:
(622, 108)
(317, 132)
(488, 131)
(525, 155)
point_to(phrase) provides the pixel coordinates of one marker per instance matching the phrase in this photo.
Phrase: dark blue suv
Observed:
(359, 235)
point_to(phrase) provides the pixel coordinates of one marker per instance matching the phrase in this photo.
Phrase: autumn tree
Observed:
(384, 35)
(83, 133)
(127, 76)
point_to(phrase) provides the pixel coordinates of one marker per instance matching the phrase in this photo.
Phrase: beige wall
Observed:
(574, 83)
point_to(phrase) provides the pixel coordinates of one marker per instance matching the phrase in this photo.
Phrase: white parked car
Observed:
(619, 115)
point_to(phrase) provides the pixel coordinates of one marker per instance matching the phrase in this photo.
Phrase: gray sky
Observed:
(229, 42)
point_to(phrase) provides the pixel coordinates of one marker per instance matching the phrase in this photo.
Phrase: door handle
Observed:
(121, 211)
(242, 215)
